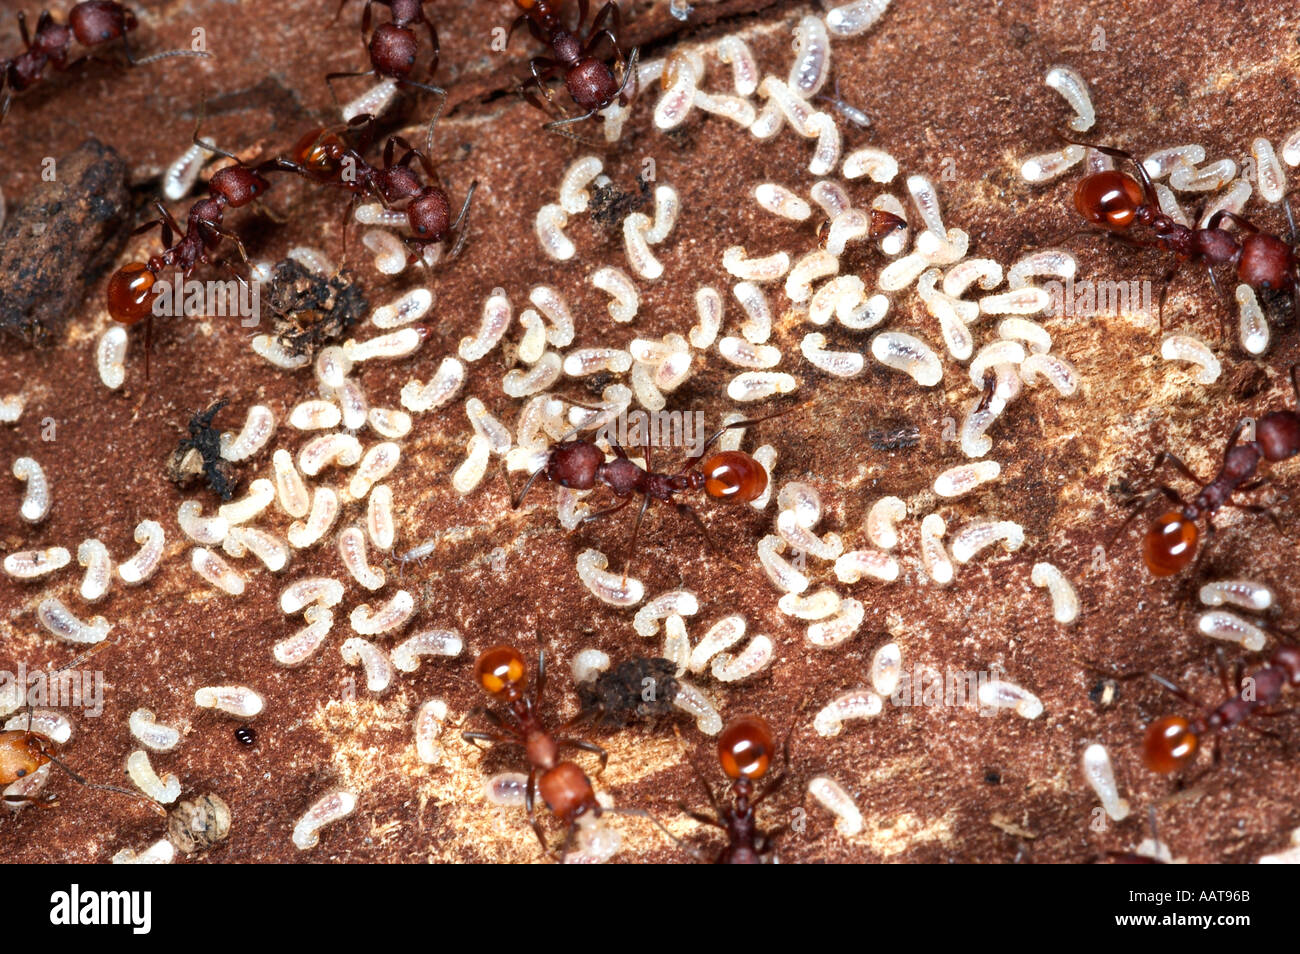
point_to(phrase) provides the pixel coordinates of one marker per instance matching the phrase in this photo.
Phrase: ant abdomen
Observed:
(1170, 544)
(745, 747)
(1170, 742)
(734, 475)
(1109, 199)
(130, 293)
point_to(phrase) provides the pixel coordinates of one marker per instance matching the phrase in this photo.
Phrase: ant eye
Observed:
(745, 747)
(499, 668)
(21, 772)
(1170, 544)
(734, 475)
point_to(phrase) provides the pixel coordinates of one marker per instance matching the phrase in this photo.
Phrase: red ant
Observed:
(733, 476)
(1116, 201)
(23, 752)
(393, 46)
(745, 750)
(1171, 741)
(131, 292)
(92, 22)
(563, 785)
(590, 82)
(1171, 542)
(326, 157)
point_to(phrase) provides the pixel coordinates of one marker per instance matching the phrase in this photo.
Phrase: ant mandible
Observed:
(393, 46)
(590, 82)
(324, 156)
(23, 752)
(733, 476)
(1172, 741)
(563, 785)
(1117, 202)
(1171, 542)
(745, 750)
(91, 23)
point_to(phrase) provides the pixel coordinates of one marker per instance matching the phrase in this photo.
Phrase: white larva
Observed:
(972, 437)
(208, 531)
(1052, 262)
(1247, 594)
(315, 415)
(813, 57)
(765, 269)
(272, 349)
(533, 343)
(1065, 601)
(818, 263)
(327, 810)
(261, 492)
(934, 556)
(582, 362)
(587, 664)
(384, 618)
(11, 407)
(311, 590)
(337, 449)
(150, 536)
(839, 296)
(978, 535)
(1028, 300)
(519, 383)
(1185, 177)
(1232, 199)
(1252, 323)
(1220, 624)
(741, 353)
(753, 300)
(433, 642)
(60, 621)
(163, 790)
(962, 479)
(901, 272)
(258, 427)
(679, 602)
(470, 473)
(1161, 162)
(667, 207)
(379, 670)
(549, 302)
(779, 570)
(886, 669)
(882, 519)
(636, 245)
(267, 547)
(33, 564)
(857, 704)
(574, 197)
(390, 253)
(947, 249)
(391, 346)
(739, 110)
(448, 379)
(958, 279)
(238, 701)
(47, 722)
(1180, 347)
(616, 283)
(803, 540)
(352, 550)
(831, 198)
(826, 155)
(680, 81)
(841, 364)
(389, 422)
(374, 213)
(851, 19)
(36, 494)
(296, 649)
(290, 490)
(410, 307)
(829, 633)
(94, 556)
(1045, 166)
(851, 225)
(376, 464)
(110, 357)
(373, 101)
(828, 792)
(1100, 775)
(379, 518)
(429, 720)
(181, 175)
(784, 104)
(496, 319)
(699, 706)
(216, 571)
(608, 587)
(721, 635)
(152, 734)
(779, 200)
(854, 565)
(324, 510)
(814, 606)
(550, 224)
(876, 164)
(757, 385)
(909, 354)
(708, 306)
(1072, 86)
(750, 661)
(1034, 335)
(1000, 694)
(161, 852)
(735, 51)
(802, 501)
(765, 454)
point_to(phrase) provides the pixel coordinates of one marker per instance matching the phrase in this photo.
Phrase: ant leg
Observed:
(1165, 457)
(748, 422)
(106, 788)
(427, 87)
(435, 48)
(1240, 221)
(517, 501)
(586, 746)
(476, 737)
(686, 511)
(1168, 492)
(228, 234)
(22, 28)
(603, 513)
(781, 776)
(331, 77)
(700, 817)
(461, 226)
(636, 528)
(530, 791)
(539, 684)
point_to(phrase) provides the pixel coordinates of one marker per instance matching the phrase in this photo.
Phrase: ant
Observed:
(732, 476)
(326, 157)
(745, 750)
(23, 752)
(1116, 201)
(590, 82)
(393, 46)
(131, 294)
(92, 22)
(1171, 542)
(1171, 741)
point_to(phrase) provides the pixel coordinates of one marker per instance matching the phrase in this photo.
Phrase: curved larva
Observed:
(374, 213)
(1251, 321)
(386, 617)
(818, 263)
(829, 633)
(315, 415)
(310, 590)
(574, 197)
(812, 57)
(164, 790)
(961, 276)
(934, 556)
(379, 518)
(736, 108)
(428, 724)
(802, 501)
(324, 509)
(757, 385)
(608, 587)
(260, 494)
(1248, 594)
(667, 207)
(152, 734)
(909, 354)
(735, 51)
(839, 296)
(11, 408)
(94, 556)
(110, 357)
(273, 350)
(410, 307)
(296, 649)
(1220, 624)
(181, 175)
(549, 225)
(395, 344)
(200, 529)
(433, 642)
(33, 564)
(390, 254)
(745, 355)
(379, 670)
(448, 379)
(469, 474)
(895, 241)
(850, 19)
(496, 319)
(1027, 300)
(992, 355)
(326, 811)
(901, 272)
(753, 300)
(267, 547)
(830, 197)
(533, 342)
(974, 442)
(376, 464)
(722, 635)
(1030, 332)
(258, 427)
(290, 490)
(36, 494)
(389, 422)
(1053, 262)
(842, 364)
(1177, 347)
(680, 80)
(636, 245)
(852, 225)
(999, 694)
(150, 536)
(60, 621)
(616, 283)
(1072, 86)
(790, 107)
(981, 534)
(1065, 602)
(962, 479)
(779, 200)
(239, 701)
(876, 164)
(956, 336)
(804, 540)
(750, 661)
(1184, 177)
(679, 602)
(1100, 775)
(1059, 373)
(373, 101)
(858, 704)
(352, 550)
(216, 571)
(882, 519)
(766, 269)
(338, 449)
(549, 302)
(332, 366)
(815, 606)
(826, 155)
(886, 669)
(765, 455)
(1161, 162)
(1045, 166)
(779, 570)
(854, 565)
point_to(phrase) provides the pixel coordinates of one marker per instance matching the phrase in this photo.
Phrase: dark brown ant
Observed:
(745, 750)
(563, 785)
(335, 157)
(23, 752)
(1171, 742)
(731, 476)
(1171, 542)
(590, 82)
(393, 46)
(1117, 202)
(91, 23)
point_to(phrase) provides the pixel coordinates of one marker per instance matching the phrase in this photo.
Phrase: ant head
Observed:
(1266, 262)
(1170, 742)
(21, 754)
(237, 185)
(745, 747)
(501, 670)
(429, 215)
(733, 475)
(393, 50)
(319, 152)
(574, 464)
(882, 223)
(591, 84)
(1109, 199)
(1170, 544)
(98, 21)
(130, 293)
